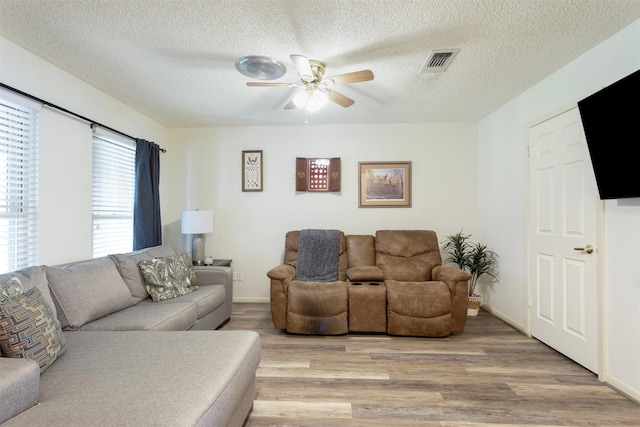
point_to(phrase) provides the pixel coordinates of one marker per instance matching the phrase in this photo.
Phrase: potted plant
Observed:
(475, 258)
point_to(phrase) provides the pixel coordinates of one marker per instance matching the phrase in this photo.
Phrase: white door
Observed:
(564, 204)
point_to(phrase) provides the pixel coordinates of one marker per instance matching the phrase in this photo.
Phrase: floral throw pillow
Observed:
(168, 277)
(186, 256)
(11, 290)
(28, 329)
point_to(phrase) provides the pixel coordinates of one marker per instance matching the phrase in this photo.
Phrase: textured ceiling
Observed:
(174, 60)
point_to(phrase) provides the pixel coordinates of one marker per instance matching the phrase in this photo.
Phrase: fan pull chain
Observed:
(308, 115)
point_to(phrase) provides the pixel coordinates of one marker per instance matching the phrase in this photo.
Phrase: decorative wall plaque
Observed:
(252, 170)
(318, 174)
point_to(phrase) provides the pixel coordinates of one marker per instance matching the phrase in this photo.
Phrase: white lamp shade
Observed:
(197, 222)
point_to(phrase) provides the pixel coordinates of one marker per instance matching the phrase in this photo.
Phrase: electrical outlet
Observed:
(237, 276)
(240, 277)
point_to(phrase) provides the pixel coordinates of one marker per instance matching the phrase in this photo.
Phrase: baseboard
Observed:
(623, 389)
(506, 319)
(249, 300)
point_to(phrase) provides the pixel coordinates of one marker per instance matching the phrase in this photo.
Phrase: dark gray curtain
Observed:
(147, 228)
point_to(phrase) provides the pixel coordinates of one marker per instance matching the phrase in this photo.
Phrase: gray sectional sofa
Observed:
(127, 360)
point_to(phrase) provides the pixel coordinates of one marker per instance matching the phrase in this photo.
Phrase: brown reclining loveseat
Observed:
(392, 282)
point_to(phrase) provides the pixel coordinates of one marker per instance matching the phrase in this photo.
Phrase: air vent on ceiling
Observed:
(439, 60)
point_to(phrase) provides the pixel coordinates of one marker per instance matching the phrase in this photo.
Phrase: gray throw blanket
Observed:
(318, 255)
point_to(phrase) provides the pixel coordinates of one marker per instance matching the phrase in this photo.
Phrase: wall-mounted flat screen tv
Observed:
(611, 121)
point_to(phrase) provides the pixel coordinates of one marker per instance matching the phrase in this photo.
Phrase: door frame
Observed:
(600, 249)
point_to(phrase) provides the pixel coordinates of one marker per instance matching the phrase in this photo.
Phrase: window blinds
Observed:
(113, 192)
(18, 185)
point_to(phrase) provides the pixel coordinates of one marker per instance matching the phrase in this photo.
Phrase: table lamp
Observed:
(197, 223)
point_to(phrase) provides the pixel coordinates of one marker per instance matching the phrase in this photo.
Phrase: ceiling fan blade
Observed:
(303, 66)
(340, 99)
(267, 84)
(355, 77)
(290, 106)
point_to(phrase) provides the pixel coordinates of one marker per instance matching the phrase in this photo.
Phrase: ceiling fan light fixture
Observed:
(312, 100)
(314, 90)
(317, 100)
(300, 100)
(260, 67)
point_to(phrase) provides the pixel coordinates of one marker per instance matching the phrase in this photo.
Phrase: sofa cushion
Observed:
(148, 316)
(318, 308)
(87, 290)
(407, 255)
(418, 308)
(28, 329)
(19, 385)
(361, 250)
(127, 265)
(416, 299)
(167, 277)
(205, 298)
(143, 378)
(33, 277)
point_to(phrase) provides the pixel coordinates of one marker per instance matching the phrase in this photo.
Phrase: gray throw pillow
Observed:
(168, 277)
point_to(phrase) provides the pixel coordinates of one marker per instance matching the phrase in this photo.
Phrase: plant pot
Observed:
(473, 306)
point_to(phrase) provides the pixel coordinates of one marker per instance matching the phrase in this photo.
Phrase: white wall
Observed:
(250, 227)
(65, 148)
(502, 193)
(622, 277)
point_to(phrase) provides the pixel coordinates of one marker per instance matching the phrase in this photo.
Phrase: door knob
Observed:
(588, 249)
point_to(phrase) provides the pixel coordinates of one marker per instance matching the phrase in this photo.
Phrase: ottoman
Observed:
(367, 307)
(317, 308)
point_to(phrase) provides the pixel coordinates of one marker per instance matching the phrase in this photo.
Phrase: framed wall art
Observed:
(252, 170)
(384, 184)
(322, 174)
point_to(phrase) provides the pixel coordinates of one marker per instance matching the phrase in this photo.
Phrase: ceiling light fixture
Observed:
(260, 67)
(311, 100)
(317, 100)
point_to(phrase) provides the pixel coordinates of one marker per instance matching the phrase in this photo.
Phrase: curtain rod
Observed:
(64, 110)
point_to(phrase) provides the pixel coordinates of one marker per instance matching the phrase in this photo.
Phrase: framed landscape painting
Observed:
(384, 184)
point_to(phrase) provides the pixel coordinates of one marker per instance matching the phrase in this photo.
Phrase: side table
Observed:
(216, 263)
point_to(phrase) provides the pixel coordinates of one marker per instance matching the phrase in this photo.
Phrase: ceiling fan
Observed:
(316, 88)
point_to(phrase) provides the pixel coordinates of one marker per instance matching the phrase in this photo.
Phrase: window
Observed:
(113, 192)
(18, 185)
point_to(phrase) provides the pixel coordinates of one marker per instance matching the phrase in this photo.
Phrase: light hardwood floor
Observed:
(491, 375)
